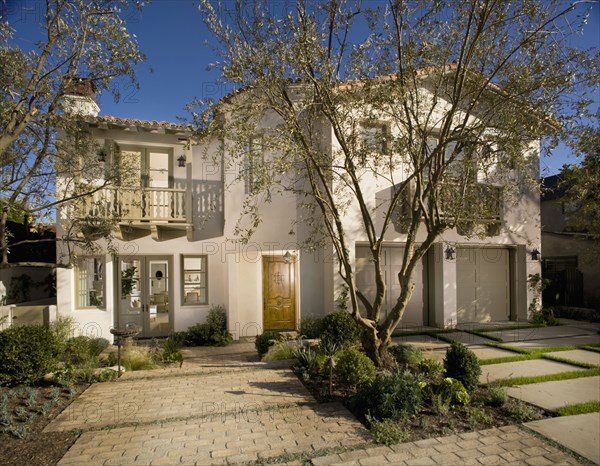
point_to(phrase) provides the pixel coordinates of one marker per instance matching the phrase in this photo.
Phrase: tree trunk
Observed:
(375, 347)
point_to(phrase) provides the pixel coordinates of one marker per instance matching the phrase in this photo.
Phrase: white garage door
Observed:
(391, 263)
(482, 284)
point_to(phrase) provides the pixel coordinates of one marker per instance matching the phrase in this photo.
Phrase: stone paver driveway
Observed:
(224, 407)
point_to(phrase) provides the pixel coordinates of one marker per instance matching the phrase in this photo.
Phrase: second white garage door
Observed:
(391, 263)
(482, 284)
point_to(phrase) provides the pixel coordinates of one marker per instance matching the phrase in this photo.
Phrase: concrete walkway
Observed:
(225, 407)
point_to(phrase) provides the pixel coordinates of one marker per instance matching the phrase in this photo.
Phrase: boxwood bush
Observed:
(28, 353)
(340, 328)
(353, 368)
(406, 355)
(462, 364)
(265, 340)
(390, 395)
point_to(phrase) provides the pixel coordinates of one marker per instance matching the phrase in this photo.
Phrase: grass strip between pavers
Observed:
(593, 347)
(521, 357)
(572, 362)
(483, 335)
(546, 378)
(579, 408)
(501, 329)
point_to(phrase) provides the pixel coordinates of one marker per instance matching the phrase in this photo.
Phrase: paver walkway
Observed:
(225, 407)
(505, 445)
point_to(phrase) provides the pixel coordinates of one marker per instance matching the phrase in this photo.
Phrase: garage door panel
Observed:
(391, 263)
(483, 284)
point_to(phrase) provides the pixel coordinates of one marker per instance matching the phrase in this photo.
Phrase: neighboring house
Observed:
(177, 213)
(28, 292)
(569, 258)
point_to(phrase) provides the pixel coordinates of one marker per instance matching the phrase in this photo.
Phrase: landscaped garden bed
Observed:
(412, 398)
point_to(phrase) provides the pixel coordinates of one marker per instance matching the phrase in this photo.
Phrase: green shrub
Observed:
(311, 326)
(520, 411)
(462, 364)
(77, 350)
(212, 333)
(198, 335)
(170, 350)
(63, 327)
(430, 369)
(543, 317)
(478, 417)
(310, 360)
(446, 393)
(217, 320)
(353, 368)
(406, 355)
(97, 345)
(495, 396)
(388, 432)
(340, 328)
(265, 340)
(28, 353)
(390, 395)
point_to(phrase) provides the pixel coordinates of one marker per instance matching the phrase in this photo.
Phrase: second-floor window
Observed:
(146, 167)
(374, 136)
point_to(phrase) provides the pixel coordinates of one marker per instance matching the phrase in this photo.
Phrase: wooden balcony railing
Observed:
(479, 203)
(137, 204)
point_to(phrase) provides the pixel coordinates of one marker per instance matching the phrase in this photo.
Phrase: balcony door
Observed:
(145, 179)
(144, 295)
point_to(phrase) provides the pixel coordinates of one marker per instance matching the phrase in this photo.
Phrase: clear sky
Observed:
(173, 37)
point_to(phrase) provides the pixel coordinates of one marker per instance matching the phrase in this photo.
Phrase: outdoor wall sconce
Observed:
(288, 258)
(159, 275)
(101, 155)
(535, 255)
(450, 253)
(181, 160)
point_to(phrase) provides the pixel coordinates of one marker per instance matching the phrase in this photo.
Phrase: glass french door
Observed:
(144, 295)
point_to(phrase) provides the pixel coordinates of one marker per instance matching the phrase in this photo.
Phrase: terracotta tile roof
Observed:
(110, 120)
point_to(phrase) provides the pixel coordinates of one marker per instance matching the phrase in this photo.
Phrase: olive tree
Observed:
(438, 104)
(77, 38)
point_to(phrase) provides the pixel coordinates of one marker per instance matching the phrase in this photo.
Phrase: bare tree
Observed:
(437, 104)
(77, 38)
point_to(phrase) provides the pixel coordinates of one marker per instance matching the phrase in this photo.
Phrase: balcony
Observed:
(164, 213)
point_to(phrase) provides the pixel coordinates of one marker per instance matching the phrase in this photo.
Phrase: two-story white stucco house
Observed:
(174, 257)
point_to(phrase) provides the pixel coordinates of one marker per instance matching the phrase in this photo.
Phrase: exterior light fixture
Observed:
(181, 160)
(101, 155)
(288, 258)
(535, 255)
(450, 251)
(159, 275)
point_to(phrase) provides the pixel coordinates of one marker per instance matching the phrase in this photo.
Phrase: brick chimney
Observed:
(79, 97)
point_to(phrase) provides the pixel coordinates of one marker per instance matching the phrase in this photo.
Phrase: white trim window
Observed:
(195, 280)
(89, 279)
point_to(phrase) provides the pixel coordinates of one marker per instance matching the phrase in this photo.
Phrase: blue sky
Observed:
(172, 35)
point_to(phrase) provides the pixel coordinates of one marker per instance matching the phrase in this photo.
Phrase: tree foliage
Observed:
(438, 105)
(581, 183)
(77, 38)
